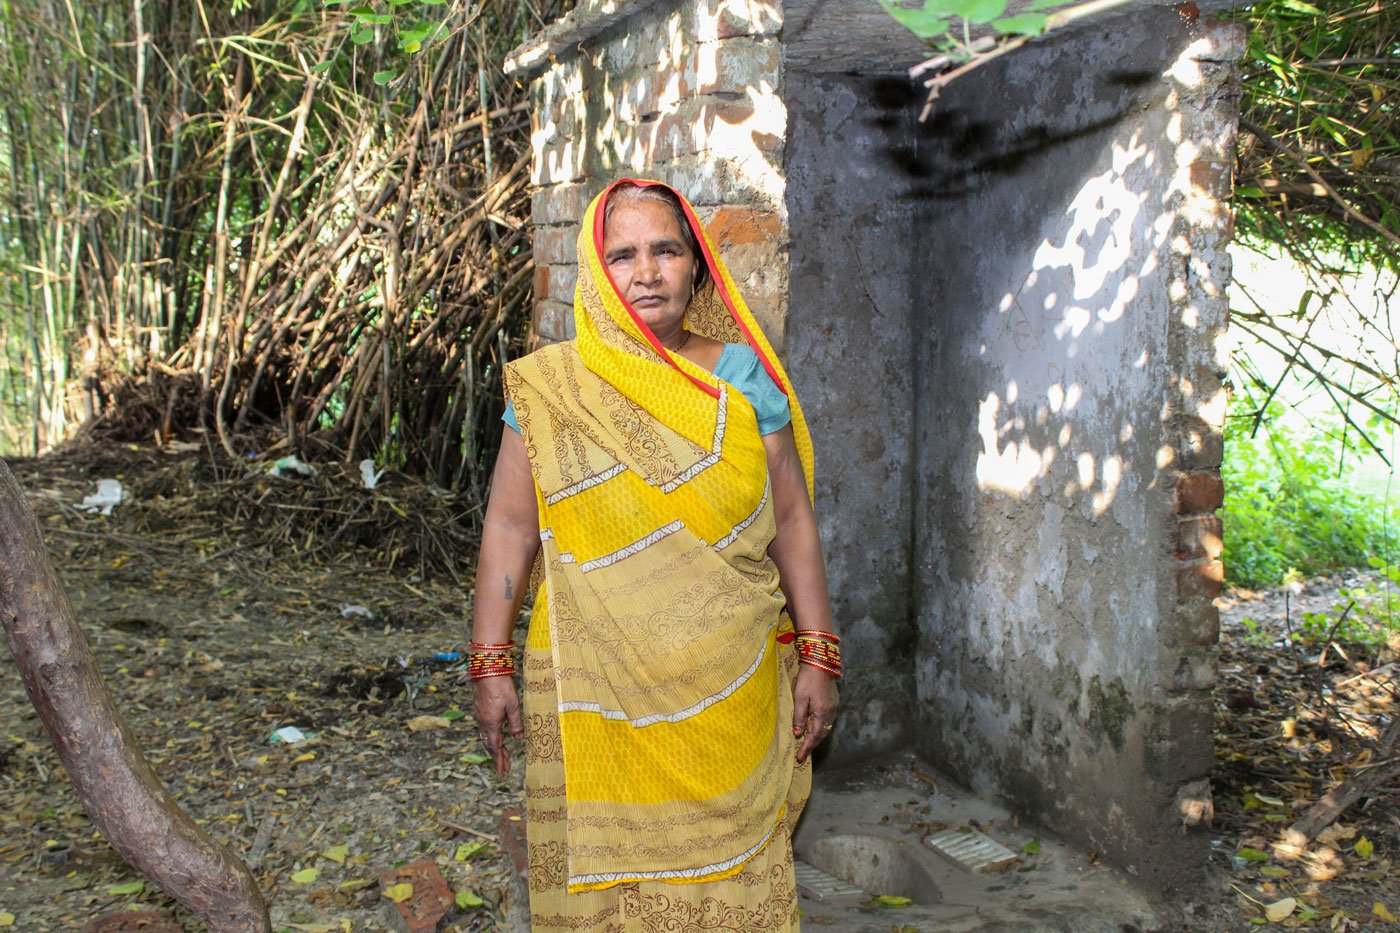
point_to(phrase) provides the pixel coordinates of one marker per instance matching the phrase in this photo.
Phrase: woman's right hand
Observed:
(498, 713)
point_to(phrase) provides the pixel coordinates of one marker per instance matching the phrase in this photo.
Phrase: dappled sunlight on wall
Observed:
(1073, 327)
(689, 94)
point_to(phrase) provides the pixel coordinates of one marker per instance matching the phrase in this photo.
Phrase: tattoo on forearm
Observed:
(510, 593)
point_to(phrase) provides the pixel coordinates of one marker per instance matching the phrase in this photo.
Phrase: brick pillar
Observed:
(687, 93)
(1206, 102)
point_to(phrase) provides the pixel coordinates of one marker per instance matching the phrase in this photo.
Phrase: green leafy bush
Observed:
(1287, 509)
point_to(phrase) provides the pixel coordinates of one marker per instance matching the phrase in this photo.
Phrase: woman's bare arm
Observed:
(510, 537)
(797, 551)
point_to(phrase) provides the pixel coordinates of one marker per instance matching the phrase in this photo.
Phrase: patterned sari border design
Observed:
(721, 416)
(607, 560)
(636, 547)
(651, 719)
(616, 877)
(738, 529)
(584, 484)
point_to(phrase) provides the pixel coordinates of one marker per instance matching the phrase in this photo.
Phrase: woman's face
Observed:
(649, 262)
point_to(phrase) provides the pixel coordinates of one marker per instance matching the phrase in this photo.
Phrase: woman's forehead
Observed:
(645, 219)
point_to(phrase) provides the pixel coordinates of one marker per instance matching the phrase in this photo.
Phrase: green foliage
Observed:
(1320, 140)
(413, 31)
(1288, 511)
(947, 24)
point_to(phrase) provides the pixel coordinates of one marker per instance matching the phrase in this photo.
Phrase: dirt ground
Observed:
(210, 646)
(217, 625)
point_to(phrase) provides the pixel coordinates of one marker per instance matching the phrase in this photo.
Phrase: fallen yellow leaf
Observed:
(353, 885)
(1379, 910)
(309, 756)
(1280, 910)
(419, 723)
(306, 875)
(398, 893)
(1364, 847)
(337, 854)
(6, 919)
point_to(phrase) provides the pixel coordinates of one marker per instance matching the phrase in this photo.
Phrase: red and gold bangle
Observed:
(833, 671)
(818, 633)
(490, 660)
(482, 666)
(819, 649)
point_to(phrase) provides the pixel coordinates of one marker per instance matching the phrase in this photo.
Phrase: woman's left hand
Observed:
(815, 699)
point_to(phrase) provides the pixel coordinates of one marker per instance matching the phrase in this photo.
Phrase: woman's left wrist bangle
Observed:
(486, 660)
(819, 649)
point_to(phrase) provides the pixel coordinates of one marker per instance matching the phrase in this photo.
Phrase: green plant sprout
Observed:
(413, 32)
(948, 25)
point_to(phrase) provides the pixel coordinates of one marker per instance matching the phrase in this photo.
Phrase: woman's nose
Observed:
(648, 270)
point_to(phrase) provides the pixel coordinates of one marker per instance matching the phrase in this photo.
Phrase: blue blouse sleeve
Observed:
(509, 417)
(740, 366)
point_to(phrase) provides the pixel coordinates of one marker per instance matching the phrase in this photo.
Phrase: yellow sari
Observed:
(661, 776)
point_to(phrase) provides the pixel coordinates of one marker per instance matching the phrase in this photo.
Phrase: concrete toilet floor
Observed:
(864, 834)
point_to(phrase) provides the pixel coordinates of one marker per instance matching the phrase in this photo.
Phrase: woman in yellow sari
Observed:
(656, 474)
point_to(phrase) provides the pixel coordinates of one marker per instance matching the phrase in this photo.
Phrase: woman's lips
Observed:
(648, 301)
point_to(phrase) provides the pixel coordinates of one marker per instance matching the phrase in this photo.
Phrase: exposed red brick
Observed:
(731, 24)
(431, 900)
(136, 921)
(1199, 492)
(1201, 581)
(741, 226)
(554, 245)
(554, 320)
(1197, 624)
(541, 283)
(1199, 537)
(1199, 445)
(740, 64)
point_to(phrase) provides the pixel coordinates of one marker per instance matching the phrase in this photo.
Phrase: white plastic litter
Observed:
(290, 735)
(291, 466)
(352, 612)
(107, 497)
(371, 478)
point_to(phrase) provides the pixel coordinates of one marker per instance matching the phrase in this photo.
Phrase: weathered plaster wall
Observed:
(689, 93)
(1002, 323)
(1070, 292)
(851, 353)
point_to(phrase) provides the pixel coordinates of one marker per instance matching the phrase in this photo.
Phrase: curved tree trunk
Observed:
(120, 792)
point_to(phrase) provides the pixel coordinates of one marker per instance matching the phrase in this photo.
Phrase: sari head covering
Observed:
(659, 604)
